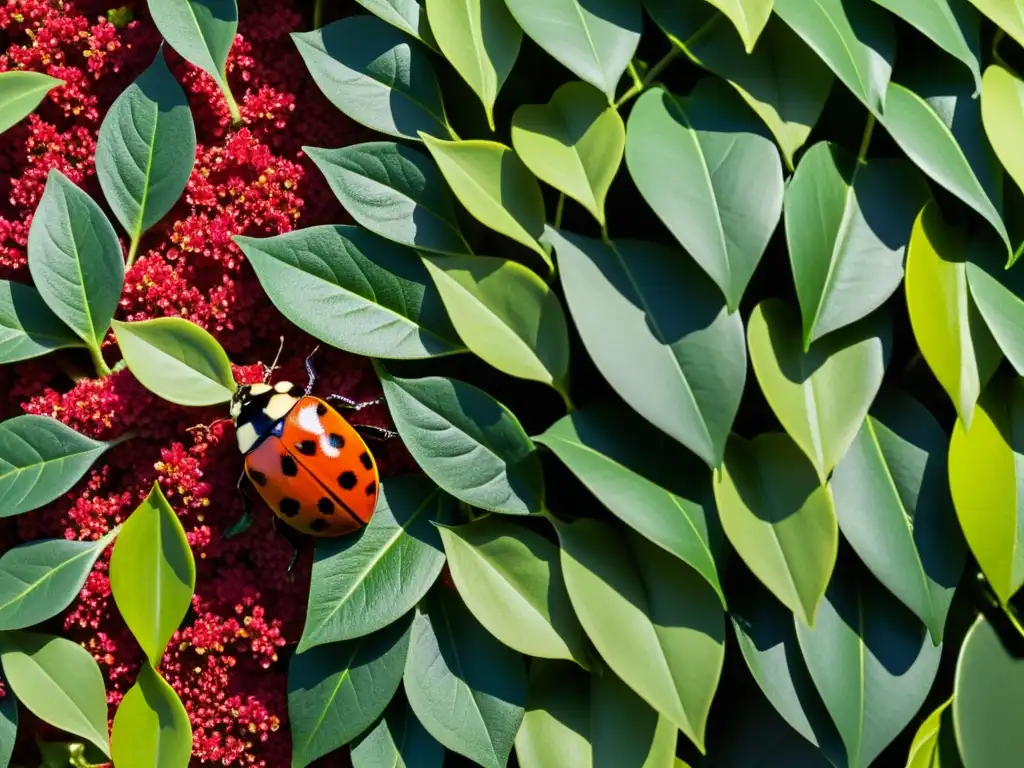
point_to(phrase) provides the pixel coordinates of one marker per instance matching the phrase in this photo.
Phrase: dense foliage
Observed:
(698, 322)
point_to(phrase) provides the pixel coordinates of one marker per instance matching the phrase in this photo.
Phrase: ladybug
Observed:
(306, 461)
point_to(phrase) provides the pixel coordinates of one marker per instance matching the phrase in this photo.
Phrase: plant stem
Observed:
(559, 208)
(133, 249)
(640, 84)
(1012, 616)
(102, 369)
(318, 14)
(236, 116)
(865, 142)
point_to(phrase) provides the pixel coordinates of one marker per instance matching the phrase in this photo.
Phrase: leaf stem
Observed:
(236, 116)
(133, 250)
(559, 208)
(865, 142)
(1012, 616)
(641, 84)
(318, 14)
(102, 369)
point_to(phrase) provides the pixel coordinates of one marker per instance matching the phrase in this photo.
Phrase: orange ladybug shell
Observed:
(315, 471)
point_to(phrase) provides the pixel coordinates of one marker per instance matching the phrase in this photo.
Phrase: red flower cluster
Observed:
(228, 661)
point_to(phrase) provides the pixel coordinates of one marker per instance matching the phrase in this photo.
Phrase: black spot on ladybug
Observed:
(326, 506)
(371, 488)
(336, 441)
(296, 391)
(318, 525)
(321, 409)
(307, 447)
(288, 466)
(289, 507)
(367, 461)
(347, 480)
(257, 477)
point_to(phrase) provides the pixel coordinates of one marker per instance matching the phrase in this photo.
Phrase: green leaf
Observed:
(574, 143)
(152, 574)
(146, 149)
(177, 360)
(21, 93)
(934, 744)
(151, 726)
(59, 682)
(748, 16)
(646, 313)
(395, 192)
(364, 583)
(781, 522)
(872, 662)
(492, 183)
(398, 740)
(507, 315)
(75, 259)
(987, 697)
(696, 161)
(41, 460)
(1002, 114)
(466, 688)
(467, 442)
(39, 579)
(996, 294)
(892, 500)
(8, 724)
(336, 691)
(847, 226)
(481, 40)
(655, 621)
(647, 480)
(406, 15)
(593, 40)
(949, 332)
(27, 326)
(512, 582)
(985, 467)
(1006, 14)
(201, 31)
(856, 40)
(820, 396)
(353, 290)
(374, 74)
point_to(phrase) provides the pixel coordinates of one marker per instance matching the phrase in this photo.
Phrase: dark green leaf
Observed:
(27, 326)
(202, 31)
(407, 15)
(398, 740)
(20, 93)
(151, 726)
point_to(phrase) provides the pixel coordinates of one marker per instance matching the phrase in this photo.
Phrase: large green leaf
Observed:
(40, 460)
(467, 689)
(75, 259)
(481, 40)
(398, 740)
(362, 584)
(986, 464)
(698, 160)
(934, 744)
(647, 480)
(779, 519)
(949, 331)
(376, 75)
(395, 192)
(8, 724)
(59, 682)
(748, 16)
(1002, 113)
(20, 93)
(467, 442)
(151, 726)
(177, 360)
(407, 15)
(512, 581)
(872, 662)
(506, 315)
(892, 500)
(593, 40)
(855, 39)
(1007, 14)
(353, 290)
(820, 396)
(152, 574)
(28, 328)
(646, 313)
(847, 226)
(201, 31)
(574, 143)
(146, 149)
(39, 579)
(655, 621)
(336, 691)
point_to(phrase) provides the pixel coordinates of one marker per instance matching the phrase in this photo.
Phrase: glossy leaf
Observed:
(996, 294)
(395, 192)
(506, 315)
(847, 226)
(75, 259)
(59, 682)
(1006, 14)
(336, 691)
(637, 331)
(820, 396)
(467, 689)
(1002, 113)
(779, 519)
(934, 744)
(177, 360)
(8, 725)
(748, 16)
(28, 328)
(376, 75)
(362, 584)
(407, 15)
(654, 620)
(201, 31)
(695, 161)
(20, 93)
(574, 143)
(467, 442)
(39, 579)
(152, 574)
(353, 290)
(398, 740)
(511, 580)
(151, 726)
(41, 459)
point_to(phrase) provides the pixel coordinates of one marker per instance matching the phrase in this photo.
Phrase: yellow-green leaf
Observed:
(934, 744)
(1007, 14)
(1002, 113)
(748, 16)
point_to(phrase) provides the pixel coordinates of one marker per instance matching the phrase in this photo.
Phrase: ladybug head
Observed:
(256, 408)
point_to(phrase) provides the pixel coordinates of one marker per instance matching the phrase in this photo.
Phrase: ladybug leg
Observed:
(245, 520)
(293, 537)
(375, 433)
(309, 370)
(348, 402)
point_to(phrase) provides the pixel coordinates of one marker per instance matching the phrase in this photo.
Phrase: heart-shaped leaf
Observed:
(398, 740)
(20, 93)
(28, 328)
(201, 31)
(1002, 113)
(151, 726)
(934, 744)
(407, 15)
(748, 16)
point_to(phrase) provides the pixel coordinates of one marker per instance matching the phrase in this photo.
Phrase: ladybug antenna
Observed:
(267, 372)
(206, 427)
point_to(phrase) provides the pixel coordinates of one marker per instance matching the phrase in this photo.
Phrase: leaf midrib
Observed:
(218, 74)
(50, 574)
(343, 676)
